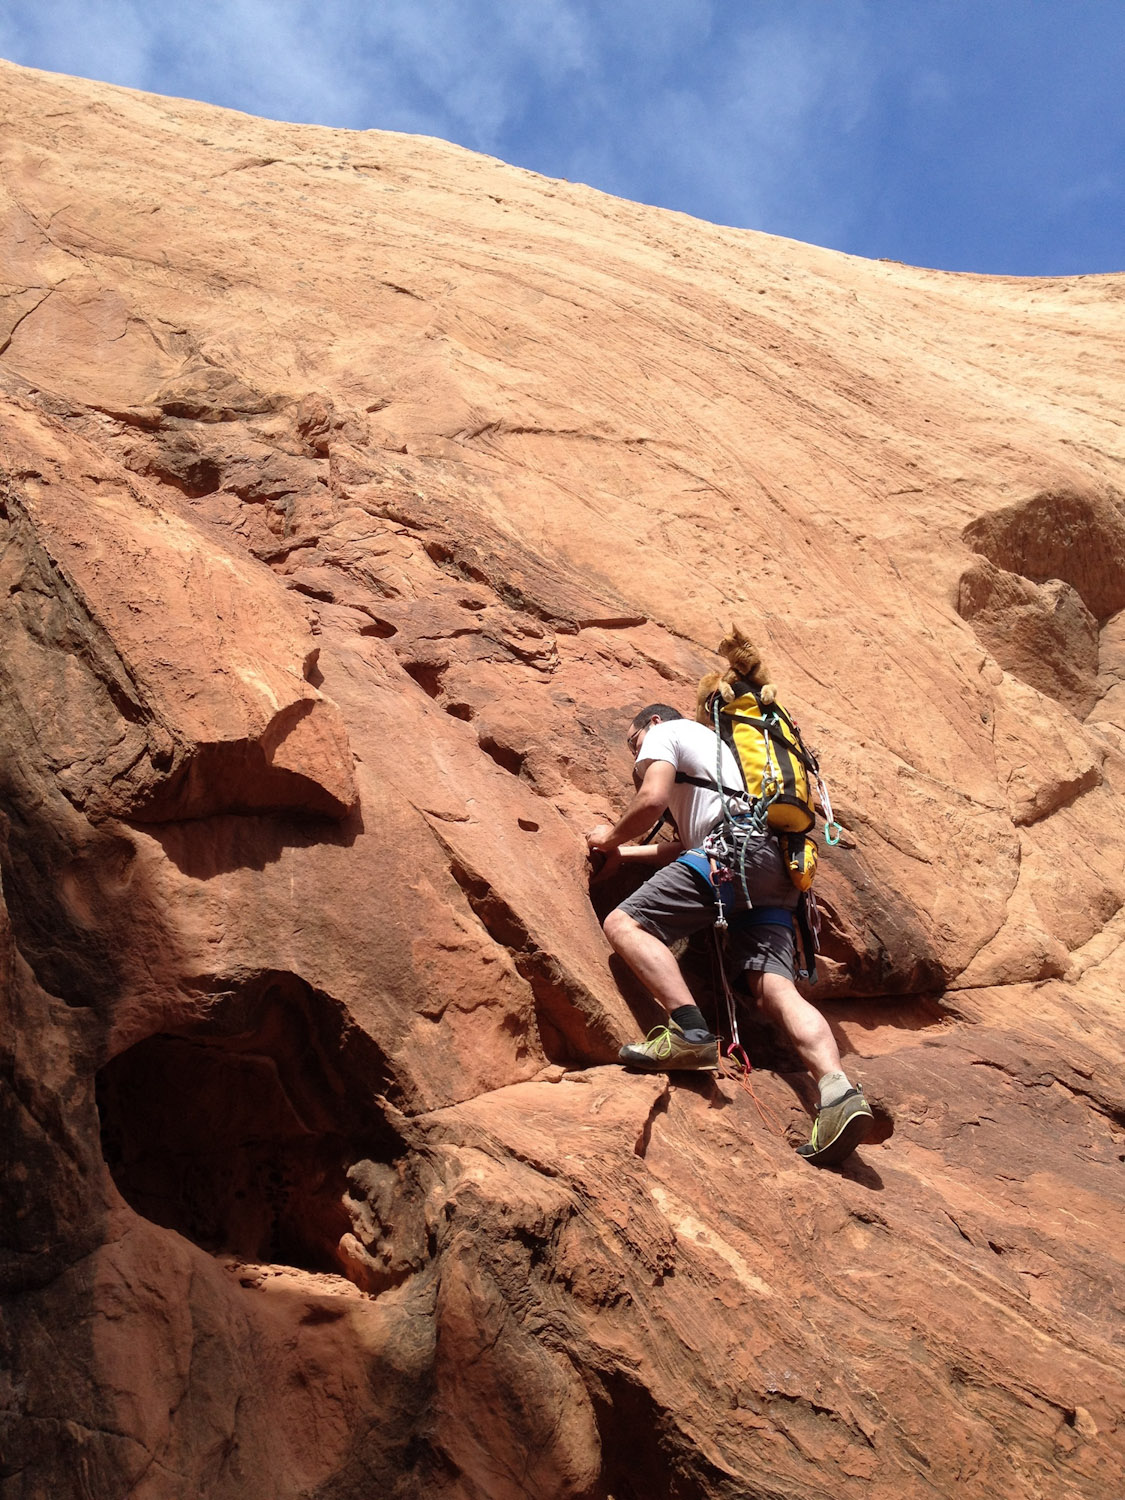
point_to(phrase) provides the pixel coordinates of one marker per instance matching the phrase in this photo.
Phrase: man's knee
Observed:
(775, 993)
(617, 926)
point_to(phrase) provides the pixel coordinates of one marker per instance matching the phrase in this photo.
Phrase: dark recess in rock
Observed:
(505, 757)
(239, 1132)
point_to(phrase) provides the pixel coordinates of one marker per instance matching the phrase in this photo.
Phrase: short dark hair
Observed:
(661, 711)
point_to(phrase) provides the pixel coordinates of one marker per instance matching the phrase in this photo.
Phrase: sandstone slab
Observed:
(356, 492)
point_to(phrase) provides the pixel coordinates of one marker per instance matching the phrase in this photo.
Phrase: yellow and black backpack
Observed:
(778, 771)
(780, 774)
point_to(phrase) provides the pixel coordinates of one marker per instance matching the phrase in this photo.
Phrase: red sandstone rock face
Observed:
(356, 490)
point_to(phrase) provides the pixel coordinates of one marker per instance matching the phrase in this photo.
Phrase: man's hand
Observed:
(642, 812)
(603, 866)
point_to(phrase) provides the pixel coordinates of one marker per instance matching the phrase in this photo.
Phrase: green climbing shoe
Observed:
(838, 1130)
(667, 1050)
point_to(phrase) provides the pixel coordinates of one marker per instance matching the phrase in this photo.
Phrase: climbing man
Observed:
(678, 900)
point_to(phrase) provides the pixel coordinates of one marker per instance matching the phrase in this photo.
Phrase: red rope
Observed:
(736, 1067)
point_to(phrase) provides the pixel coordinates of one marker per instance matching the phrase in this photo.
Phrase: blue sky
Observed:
(978, 135)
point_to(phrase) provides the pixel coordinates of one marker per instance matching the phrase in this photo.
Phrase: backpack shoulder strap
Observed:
(709, 785)
(771, 728)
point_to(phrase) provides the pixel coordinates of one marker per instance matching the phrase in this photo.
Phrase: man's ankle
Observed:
(692, 1022)
(832, 1087)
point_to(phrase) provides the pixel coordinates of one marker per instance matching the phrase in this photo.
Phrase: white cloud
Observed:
(473, 68)
(107, 40)
(279, 58)
(746, 131)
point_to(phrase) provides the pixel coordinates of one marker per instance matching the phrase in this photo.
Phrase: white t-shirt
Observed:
(691, 748)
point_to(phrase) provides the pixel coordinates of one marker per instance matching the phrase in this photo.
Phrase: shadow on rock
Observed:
(205, 847)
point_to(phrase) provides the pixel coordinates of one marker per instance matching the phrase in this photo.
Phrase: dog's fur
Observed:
(745, 666)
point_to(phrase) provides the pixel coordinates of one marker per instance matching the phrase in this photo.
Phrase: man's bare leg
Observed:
(782, 1003)
(652, 963)
(687, 1044)
(844, 1119)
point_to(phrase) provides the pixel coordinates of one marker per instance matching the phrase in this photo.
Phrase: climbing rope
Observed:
(732, 839)
(734, 1062)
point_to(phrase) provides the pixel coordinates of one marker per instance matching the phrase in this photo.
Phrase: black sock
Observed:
(690, 1020)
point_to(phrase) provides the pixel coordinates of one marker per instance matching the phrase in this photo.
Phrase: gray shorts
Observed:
(675, 902)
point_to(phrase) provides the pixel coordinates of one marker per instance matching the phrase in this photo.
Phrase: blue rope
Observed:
(741, 827)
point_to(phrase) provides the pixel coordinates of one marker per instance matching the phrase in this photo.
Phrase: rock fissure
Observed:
(659, 1106)
(561, 1010)
(23, 317)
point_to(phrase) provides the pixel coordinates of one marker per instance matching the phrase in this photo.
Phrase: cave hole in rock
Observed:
(427, 674)
(505, 757)
(239, 1131)
(659, 1468)
(378, 627)
(177, 459)
(194, 476)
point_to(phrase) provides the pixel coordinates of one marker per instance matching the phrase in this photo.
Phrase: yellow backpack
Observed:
(779, 771)
(780, 774)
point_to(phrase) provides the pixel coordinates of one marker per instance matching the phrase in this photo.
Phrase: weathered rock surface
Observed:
(356, 490)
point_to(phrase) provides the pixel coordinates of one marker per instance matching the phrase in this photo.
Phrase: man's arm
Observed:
(663, 852)
(658, 779)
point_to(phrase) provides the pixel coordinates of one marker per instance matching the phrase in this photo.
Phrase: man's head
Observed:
(655, 713)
